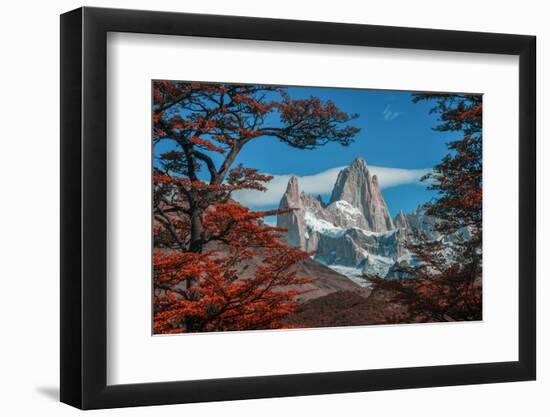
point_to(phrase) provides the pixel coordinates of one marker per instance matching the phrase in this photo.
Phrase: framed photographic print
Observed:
(258, 208)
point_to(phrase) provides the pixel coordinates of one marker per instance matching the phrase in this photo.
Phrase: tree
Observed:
(205, 242)
(204, 119)
(445, 283)
(220, 299)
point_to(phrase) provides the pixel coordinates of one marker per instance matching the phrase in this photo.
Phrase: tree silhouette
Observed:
(217, 265)
(446, 280)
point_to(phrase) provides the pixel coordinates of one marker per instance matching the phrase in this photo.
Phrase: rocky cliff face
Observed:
(420, 222)
(401, 221)
(354, 234)
(294, 220)
(358, 187)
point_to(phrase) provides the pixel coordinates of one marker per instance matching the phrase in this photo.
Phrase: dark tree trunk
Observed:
(196, 245)
(197, 230)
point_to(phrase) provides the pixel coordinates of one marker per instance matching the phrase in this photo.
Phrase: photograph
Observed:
(275, 209)
(291, 207)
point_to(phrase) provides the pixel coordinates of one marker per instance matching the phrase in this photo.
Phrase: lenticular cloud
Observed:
(323, 182)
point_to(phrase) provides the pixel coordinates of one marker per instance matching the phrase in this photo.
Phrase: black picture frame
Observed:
(84, 207)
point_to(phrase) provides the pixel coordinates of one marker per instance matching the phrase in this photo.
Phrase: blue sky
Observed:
(395, 133)
(396, 139)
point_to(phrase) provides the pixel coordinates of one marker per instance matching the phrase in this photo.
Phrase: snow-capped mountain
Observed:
(354, 233)
(356, 186)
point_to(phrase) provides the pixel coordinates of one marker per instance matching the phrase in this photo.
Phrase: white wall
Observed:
(29, 211)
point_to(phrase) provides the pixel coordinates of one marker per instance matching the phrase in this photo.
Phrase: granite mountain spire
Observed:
(357, 186)
(354, 233)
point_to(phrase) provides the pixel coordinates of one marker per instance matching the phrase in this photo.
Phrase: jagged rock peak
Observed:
(294, 220)
(401, 221)
(356, 186)
(339, 233)
(292, 187)
(359, 162)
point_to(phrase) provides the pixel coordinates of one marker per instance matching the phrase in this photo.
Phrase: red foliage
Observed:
(207, 291)
(446, 283)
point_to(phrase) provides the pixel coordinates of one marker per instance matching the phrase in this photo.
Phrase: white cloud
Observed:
(389, 115)
(323, 182)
